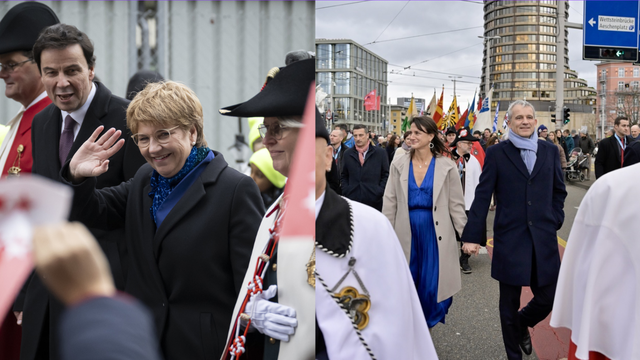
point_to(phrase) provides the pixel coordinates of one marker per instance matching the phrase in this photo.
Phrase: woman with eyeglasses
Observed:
(190, 220)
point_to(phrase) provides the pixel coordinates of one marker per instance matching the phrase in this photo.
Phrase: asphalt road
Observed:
(472, 330)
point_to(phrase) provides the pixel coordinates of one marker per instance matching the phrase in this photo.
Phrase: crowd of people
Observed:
(174, 254)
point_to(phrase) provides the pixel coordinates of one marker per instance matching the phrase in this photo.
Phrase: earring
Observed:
(193, 143)
(430, 145)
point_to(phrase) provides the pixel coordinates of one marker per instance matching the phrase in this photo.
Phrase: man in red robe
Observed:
(19, 29)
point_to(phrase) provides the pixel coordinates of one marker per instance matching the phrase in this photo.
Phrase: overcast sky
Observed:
(453, 51)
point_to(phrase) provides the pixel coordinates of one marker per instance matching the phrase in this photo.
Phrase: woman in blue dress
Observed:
(424, 202)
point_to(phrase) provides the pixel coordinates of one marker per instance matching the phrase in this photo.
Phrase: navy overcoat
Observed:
(529, 211)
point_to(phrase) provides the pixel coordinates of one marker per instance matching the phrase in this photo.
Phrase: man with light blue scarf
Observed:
(526, 177)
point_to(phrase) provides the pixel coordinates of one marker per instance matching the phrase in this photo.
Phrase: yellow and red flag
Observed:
(438, 116)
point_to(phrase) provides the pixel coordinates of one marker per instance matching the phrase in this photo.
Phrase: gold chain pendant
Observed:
(311, 269)
(15, 169)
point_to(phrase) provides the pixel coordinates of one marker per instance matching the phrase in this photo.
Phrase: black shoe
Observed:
(525, 341)
(464, 264)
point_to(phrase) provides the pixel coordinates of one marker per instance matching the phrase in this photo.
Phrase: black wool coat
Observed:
(365, 183)
(189, 271)
(609, 156)
(39, 306)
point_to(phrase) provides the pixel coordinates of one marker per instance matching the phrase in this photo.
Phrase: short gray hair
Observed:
(291, 121)
(522, 103)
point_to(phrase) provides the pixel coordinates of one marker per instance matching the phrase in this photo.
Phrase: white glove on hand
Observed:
(270, 318)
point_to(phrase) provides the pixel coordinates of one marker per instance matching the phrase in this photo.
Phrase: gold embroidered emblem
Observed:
(356, 304)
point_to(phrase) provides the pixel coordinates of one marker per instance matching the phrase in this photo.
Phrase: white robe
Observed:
(397, 328)
(471, 180)
(293, 290)
(598, 293)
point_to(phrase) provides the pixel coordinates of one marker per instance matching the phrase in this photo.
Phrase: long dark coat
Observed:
(609, 156)
(189, 271)
(365, 183)
(34, 299)
(529, 212)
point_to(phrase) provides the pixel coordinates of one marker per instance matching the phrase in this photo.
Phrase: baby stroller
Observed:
(577, 162)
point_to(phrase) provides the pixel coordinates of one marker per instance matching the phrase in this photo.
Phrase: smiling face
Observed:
(450, 138)
(23, 83)
(419, 138)
(522, 122)
(169, 158)
(281, 151)
(66, 77)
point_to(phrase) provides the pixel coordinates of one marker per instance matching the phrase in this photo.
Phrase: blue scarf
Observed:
(161, 187)
(528, 148)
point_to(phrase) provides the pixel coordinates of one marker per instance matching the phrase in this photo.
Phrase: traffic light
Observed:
(566, 115)
(553, 118)
(612, 53)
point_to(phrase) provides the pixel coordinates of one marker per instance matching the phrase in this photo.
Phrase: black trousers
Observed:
(512, 320)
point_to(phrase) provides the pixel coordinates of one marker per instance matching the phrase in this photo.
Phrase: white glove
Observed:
(270, 318)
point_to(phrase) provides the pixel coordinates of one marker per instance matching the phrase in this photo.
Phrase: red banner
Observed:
(370, 101)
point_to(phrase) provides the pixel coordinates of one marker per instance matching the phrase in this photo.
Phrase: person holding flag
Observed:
(266, 319)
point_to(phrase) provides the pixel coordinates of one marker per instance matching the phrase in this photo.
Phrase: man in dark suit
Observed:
(365, 171)
(333, 176)
(611, 150)
(64, 56)
(525, 175)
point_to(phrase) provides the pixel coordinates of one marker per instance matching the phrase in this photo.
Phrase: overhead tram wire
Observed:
(354, 57)
(415, 36)
(350, 3)
(427, 77)
(392, 20)
(464, 48)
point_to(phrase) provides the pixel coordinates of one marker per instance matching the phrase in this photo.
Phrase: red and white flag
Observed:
(370, 100)
(296, 245)
(25, 202)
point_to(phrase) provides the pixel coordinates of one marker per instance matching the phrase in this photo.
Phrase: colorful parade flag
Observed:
(463, 119)
(409, 115)
(505, 122)
(483, 120)
(370, 100)
(471, 118)
(431, 109)
(453, 115)
(495, 118)
(437, 115)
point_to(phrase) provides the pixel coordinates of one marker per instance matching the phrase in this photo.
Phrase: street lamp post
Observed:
(487, 72)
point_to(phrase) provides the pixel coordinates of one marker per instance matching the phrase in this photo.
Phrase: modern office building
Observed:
(618, 93)
(405, 101)
(348, 72)
(521, 42)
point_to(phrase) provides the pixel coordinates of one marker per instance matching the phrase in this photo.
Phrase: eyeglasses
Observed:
(9, 68)
(162, 137)
(276, 130)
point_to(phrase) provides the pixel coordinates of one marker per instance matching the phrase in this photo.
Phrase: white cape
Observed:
(598, 293)
(397, 328)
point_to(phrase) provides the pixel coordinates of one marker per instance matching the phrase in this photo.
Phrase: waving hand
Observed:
(92, 159)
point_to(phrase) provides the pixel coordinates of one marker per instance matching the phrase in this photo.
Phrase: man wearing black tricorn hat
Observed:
(288, 333)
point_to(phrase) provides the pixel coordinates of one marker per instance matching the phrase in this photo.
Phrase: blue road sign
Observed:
(611, 23)
(610, 30)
